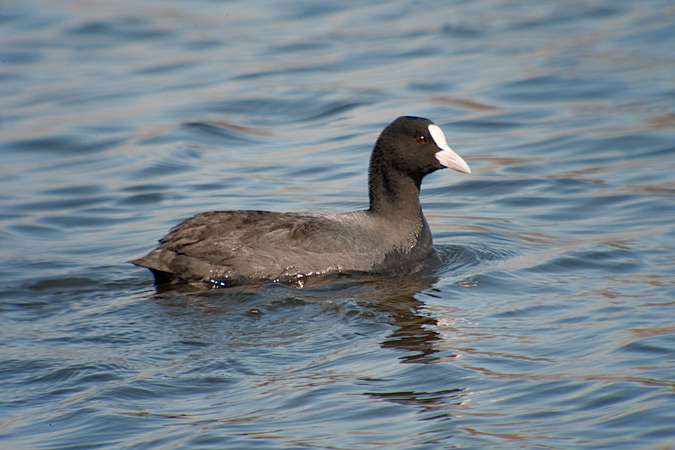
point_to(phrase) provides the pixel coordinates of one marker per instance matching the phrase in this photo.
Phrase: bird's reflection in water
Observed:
(391, 300)
(415, 333)
(415, 327)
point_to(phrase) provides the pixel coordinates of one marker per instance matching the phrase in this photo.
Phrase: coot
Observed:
(227, 248)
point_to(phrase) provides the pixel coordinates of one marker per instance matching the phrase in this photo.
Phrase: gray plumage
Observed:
(228, 248)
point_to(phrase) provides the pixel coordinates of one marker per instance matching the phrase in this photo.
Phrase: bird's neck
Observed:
(393, 194)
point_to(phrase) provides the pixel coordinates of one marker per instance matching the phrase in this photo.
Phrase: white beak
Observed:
(447, 157)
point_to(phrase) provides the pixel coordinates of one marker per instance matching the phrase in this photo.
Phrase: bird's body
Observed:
(243, 247)
(227, 248)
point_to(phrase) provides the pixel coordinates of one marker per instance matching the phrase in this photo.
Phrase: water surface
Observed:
(547, 324)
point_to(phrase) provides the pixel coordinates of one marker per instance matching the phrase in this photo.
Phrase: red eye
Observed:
(420, 139)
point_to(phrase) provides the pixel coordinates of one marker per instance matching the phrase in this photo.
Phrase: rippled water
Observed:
(548, 324)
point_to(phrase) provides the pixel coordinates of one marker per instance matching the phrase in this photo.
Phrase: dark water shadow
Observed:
(362, 302)
(395, 299)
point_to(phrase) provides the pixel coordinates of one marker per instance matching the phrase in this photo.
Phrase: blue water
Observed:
(548, 324)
